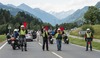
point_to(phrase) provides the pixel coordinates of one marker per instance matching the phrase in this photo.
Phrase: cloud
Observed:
(53, 5)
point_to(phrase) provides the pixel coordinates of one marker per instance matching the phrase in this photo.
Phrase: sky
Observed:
(53, 5)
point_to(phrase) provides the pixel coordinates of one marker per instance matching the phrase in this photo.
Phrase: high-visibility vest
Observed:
(44, 34)
(88, 35)
(57, 35)
(22, 32)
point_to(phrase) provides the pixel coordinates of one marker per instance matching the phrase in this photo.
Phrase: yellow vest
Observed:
(88, 35)
(44, 34)
(22, 32)
(56, 35)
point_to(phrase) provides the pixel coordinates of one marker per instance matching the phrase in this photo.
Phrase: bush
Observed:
(3, 28)
(88, 26)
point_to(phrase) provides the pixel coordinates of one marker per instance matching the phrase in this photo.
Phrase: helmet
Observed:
(88, 29)
(58, 28)
(22, 25)
(15, 30)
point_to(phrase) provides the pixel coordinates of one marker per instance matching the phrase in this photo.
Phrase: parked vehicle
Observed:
(29, 37)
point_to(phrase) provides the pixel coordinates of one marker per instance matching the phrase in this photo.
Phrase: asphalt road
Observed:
(35, 51)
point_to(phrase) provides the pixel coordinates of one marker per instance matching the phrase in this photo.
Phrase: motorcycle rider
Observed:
(88, 39)
(15, 35)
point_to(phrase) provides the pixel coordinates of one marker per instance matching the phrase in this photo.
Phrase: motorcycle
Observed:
(66, 40)
(51, 39)
(15, 43)
(8, 38)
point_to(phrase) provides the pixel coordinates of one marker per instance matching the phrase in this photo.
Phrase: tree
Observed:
(91, 16)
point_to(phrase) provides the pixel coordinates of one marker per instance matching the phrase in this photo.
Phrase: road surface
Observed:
(35, 51)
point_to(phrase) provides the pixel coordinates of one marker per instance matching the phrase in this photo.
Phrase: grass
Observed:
(96, 29)
(2, 38)
(75, 32)
(82, 42)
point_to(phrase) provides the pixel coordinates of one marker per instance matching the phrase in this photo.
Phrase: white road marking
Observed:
(3, 45)
(53, 52)
(40, 44)
(57, 55)
(84, 47)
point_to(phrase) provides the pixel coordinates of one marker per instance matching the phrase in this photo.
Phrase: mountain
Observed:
(10, 5)
(13, 10)
(98, 5)
(44, 16)
(76, 15)
(63, 14)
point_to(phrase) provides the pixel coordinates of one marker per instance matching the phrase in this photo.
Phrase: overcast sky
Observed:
(53, 5)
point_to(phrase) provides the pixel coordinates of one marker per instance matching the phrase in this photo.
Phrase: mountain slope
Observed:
(98, 5)
(63, 14)
(10, 5)
(76, 15)
(44, 16)
(13, 10)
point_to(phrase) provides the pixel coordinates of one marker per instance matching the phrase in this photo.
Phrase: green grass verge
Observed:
(2, 38)
(95, 27)
(82, 42)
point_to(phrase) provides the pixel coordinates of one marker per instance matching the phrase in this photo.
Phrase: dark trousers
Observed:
(22, 38)
(45, 42)
(88, 41)
(59, 44)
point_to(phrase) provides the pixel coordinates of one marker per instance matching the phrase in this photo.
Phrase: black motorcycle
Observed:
(15, 43)
(34, 35)
(66, 40)
(8, 39)
(51, 39)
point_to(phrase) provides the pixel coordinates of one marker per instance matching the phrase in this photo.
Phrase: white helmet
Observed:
(22, 25)
(58, 28)
(15, 30)
(88, 29)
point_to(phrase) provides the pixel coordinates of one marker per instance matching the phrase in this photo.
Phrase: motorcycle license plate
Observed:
(12, 41)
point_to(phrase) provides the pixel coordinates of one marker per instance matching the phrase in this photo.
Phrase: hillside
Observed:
(63, 14)
(76, 15)
(44, 16)
(95, 27)
(13, 10)
(98, 5)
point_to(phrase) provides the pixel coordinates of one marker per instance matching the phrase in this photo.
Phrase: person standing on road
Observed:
(45, 40)
(22, 33)
(38, 35)
(88, 39)
(58, 36)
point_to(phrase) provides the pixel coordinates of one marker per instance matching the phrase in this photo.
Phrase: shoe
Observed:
(86, 50)
(25, 50)
(60, 50)
(47, 50)
(90, 49)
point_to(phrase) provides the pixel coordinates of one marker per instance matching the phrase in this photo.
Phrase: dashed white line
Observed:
(3, 45)
(57, 55)
(53, 52)
(40, 44)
